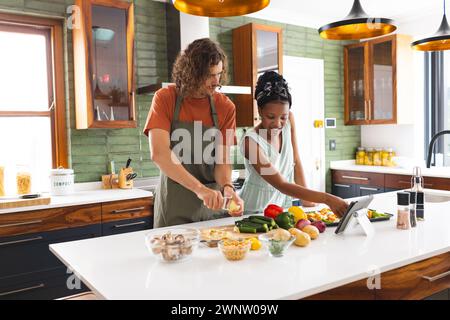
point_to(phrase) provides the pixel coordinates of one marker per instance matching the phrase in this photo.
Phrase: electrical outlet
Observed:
(332, 145)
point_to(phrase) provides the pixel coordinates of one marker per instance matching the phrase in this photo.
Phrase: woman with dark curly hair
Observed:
(195, 172)
(274, 170)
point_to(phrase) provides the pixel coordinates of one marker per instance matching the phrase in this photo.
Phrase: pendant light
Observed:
(220, 8)
(357, 25)
(437, 42)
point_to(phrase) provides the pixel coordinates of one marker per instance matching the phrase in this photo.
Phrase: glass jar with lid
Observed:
(23, 180)
(368, 159)
(391, 155)
(385, 158)
(360, 155)
(377, 157)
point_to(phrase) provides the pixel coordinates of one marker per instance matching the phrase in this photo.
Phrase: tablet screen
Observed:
(352, 208)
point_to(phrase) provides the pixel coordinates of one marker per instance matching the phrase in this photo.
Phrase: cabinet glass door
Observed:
(382, 100)
(109, 67)
(267, 51)
(356, 85)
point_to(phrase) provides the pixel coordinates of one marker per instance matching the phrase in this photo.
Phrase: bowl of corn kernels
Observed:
(235, 250)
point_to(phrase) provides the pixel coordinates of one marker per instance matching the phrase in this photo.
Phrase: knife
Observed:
(128, 162)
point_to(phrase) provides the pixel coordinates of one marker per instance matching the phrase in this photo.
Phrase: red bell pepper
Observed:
(272, 211)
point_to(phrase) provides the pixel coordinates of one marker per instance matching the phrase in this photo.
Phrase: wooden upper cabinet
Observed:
(378, 81)
(256, 49)
(103, 42)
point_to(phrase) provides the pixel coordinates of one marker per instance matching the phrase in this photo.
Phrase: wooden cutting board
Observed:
(231, 234)
(17, 203)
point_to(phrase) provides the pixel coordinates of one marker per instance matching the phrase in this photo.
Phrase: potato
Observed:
(279, 235)
(302, 239)
(312, 231)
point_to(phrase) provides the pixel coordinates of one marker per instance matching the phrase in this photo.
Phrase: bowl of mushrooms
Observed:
(173, 245)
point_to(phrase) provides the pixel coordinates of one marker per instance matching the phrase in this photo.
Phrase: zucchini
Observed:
(268, 221)
(247, 229)
(259, 227)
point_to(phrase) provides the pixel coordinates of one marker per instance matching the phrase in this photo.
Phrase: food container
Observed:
(2, 181)
(61, 182)
(235, 250)
(173, 245)
(23, 180)
(276, 248)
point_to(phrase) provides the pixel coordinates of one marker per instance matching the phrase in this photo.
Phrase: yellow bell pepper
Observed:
(256, 244)
(298, 213)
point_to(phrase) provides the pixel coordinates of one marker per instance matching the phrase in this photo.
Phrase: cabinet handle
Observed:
(427, 184)
(20, 224)
(368, 189)
(2, 294)
(355, 178)
(435, 278)
(407, 182)
(130, 224)
(342, 185)
(20, 241)
(128, 210)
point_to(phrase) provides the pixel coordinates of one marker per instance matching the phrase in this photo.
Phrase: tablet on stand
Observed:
(355, 215)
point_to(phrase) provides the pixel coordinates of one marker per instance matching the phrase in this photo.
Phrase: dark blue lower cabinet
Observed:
(363, 190)
(28, 270)
(344, 191)
(43, 285)
(125, 226)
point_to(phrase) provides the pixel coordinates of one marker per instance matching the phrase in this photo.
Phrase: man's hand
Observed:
(229, 192)
(212, 199)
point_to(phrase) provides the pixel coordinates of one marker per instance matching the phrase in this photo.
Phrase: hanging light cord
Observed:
(444, 8)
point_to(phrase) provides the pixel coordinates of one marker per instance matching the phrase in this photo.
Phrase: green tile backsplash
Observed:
(91, 150)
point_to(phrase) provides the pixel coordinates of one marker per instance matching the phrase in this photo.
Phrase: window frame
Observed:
(53, 29)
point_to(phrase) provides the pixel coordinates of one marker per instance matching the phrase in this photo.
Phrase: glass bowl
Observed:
(173, 245)
(235, 250)
(276, 248)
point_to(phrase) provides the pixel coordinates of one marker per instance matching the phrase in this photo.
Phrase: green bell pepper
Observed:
(285, 220)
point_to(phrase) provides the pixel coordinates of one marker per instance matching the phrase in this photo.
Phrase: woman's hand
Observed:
(229, 192)
(212, 199)
(336, 204)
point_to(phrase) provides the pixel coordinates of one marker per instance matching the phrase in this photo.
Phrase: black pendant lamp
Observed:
(357, 25)
(220, 8)
(438, 42)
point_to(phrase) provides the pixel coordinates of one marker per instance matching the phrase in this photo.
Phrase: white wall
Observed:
(192, 28)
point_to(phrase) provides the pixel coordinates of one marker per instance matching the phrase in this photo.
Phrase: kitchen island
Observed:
(121, 267)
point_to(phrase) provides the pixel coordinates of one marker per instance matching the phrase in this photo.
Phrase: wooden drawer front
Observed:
(357, 290)
(355, 177)
(399, 181)
(48, 220)
(30, 253)
(408, 283)
(129, 209)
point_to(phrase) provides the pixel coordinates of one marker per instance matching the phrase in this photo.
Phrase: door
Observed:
(306, 82)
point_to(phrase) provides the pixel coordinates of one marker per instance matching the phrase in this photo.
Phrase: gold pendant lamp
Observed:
(220, 8)
(438, 42)
(357, 25)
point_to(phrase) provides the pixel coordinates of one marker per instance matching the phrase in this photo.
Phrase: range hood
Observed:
(182, 29)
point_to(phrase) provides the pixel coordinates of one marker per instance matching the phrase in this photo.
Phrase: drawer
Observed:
(398, 181)
(12, 224)
(46, 285)
(355, 177)
(129, 209)
(416, 281)
(130, 225)
(357, 290)
(30, 253)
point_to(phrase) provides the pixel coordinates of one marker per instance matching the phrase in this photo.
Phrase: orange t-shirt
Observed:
(192, 109)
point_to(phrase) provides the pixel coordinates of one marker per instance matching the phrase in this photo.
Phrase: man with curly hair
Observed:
(196, 172)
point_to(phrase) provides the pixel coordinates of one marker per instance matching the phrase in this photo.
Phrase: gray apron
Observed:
(174, 204)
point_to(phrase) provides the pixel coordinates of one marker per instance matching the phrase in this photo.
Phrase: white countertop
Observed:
(121, 267)
(86, 197)
(442, 172)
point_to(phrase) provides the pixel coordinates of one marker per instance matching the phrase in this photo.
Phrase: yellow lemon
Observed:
(298, 213)
(256, 244)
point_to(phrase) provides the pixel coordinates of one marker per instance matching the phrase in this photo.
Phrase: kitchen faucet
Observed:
(431, 146)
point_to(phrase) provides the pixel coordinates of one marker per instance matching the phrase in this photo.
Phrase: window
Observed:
(32, 115)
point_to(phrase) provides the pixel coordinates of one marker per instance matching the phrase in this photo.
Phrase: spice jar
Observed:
(403, 211)
(377, 157)
(368, 158)
(360, 155)
(23, 180)
(2, 181)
